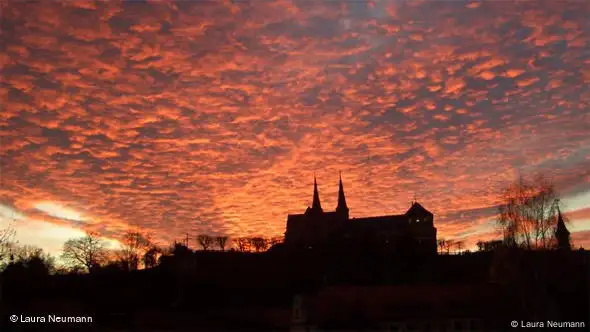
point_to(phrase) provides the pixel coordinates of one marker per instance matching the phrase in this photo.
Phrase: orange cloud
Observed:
(190, 117)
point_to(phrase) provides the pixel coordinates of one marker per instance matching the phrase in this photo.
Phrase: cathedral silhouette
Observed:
(408, 233)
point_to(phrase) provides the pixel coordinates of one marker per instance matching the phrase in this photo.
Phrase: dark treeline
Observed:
(256, 283)
(214, 290)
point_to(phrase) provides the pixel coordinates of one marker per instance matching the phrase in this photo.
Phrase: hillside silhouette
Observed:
(334, 279)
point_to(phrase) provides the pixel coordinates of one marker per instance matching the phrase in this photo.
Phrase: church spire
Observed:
(316, 206)
(561, 233)
(342, 207)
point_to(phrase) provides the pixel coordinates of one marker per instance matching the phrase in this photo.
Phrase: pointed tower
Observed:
(561, 233)
(342, 208)
(417, 214)
(315, 205)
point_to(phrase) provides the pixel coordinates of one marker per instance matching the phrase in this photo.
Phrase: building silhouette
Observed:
(561, 233)
(411, 232)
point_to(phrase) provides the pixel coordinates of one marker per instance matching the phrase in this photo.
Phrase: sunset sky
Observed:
(212, 117)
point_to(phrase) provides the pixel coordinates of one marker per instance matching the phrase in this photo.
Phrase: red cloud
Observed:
(162, 114)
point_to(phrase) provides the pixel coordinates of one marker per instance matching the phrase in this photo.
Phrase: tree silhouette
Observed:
(460, 245)
(32, 257)
(29, 261)
(150, 258)
(259, 243)
(25, 252)
(221, 241)
(40, 264)
(441, 243)
(449, 245)
(528, 213)
(445, 245)
(6, 236)
(205, 241)
(243, 244)
(87, 252)
(135, 245)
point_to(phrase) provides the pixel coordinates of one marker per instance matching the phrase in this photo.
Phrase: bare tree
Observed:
(460, 245)
(151, 256)
(28, 252)
(221, 241)
(6, 236)
(25, 252)
(32, 258)
(528, 213)
(243, 244)
(445, 246)
(442, 244)
(449, 245)
(87, 252)
(135, 245)
(205, 241)
(259, 243)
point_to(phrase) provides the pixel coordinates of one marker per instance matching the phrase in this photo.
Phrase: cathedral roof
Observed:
(417, 209)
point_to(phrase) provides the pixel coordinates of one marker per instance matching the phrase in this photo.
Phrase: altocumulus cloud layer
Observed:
(212, 117)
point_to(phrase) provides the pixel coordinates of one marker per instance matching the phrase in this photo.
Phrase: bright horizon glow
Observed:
(59, 211)
(45, 234)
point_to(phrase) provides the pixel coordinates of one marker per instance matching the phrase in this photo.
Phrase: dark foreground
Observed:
(279, 291)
